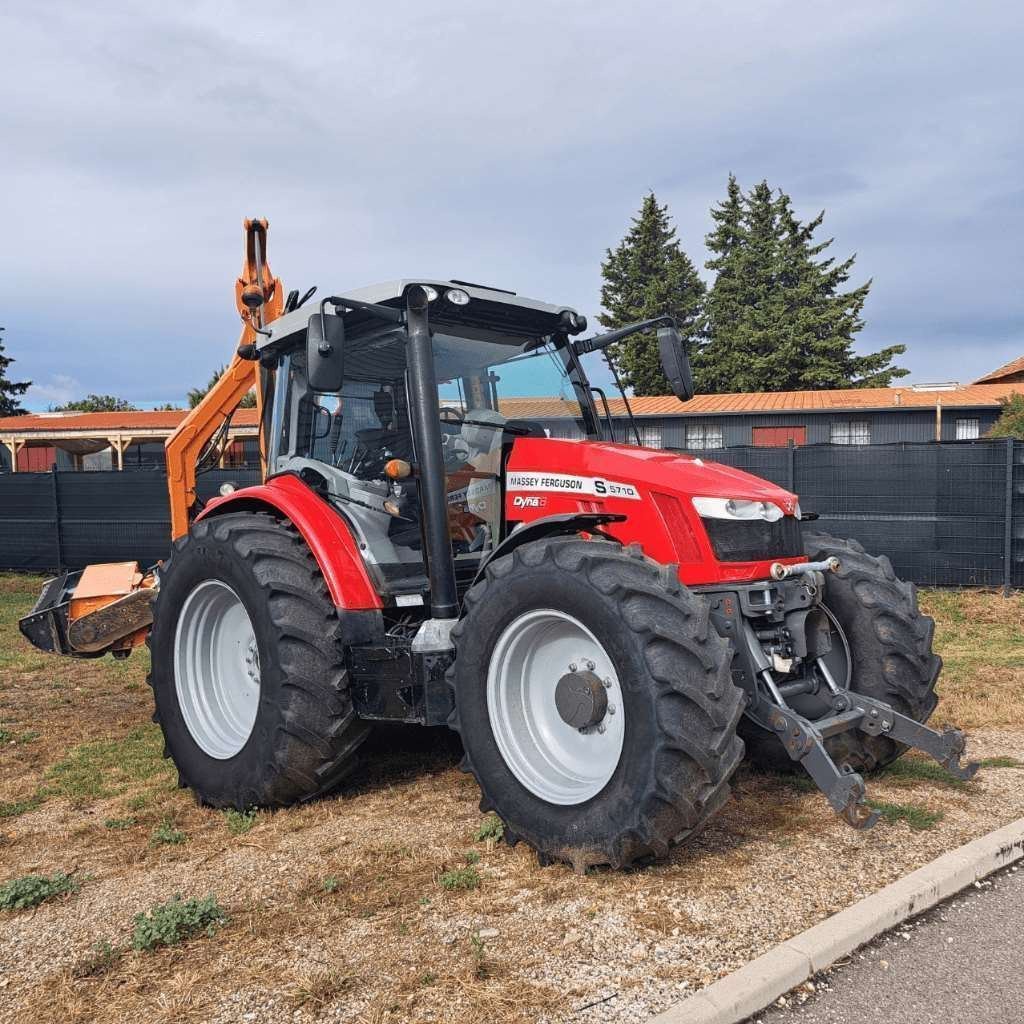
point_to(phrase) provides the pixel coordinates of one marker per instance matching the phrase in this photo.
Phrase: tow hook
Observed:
(782, 572)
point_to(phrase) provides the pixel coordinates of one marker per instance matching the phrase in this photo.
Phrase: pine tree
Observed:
(196, 395)
(649, 274)
(777, 317)
(10, 391)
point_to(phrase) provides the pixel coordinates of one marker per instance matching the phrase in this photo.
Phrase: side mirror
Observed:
(325, 352)
(675, 363)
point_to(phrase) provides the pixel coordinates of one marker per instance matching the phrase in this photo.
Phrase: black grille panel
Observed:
(752, 540)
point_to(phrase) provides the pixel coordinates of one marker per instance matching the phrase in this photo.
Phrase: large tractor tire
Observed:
(890, 646)
(249, 676)
(595, 702)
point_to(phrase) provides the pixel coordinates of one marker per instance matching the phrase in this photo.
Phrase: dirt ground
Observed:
(381, 905)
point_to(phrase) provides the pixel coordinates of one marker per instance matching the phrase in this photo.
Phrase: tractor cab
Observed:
(339, 414)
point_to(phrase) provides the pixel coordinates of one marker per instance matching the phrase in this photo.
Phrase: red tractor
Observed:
(605, 625)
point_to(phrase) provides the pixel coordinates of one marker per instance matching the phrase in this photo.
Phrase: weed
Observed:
(176, 920)
(5, 736)
(427, 978)
(479, 951)
(1001, 762)
(102, 957)
(331, 884)
(239, 822)
(119, 824)
(472, 857)
(491, 827)
(16, 807)
(28, 736)
(165, 832)
(31, 890)
(918, 818)
(459, 879)
(319, 989)
(908, 770)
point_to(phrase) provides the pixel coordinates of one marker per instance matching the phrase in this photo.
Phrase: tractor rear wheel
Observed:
(890, 645)
(594, 700)
(249, 676)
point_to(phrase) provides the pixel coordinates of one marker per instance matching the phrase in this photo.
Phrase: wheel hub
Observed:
(581, 699)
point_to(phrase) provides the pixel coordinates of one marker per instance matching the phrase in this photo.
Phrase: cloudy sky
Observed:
(504, 143)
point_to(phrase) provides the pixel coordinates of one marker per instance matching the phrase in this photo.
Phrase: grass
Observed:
(120, 824)
(15, 808)
(166, 834)
(31, 890)
(1001, 762)
(110, 767)
(240, 822)
(167, 924)
(917, 817)
(101, 958)
(909, 770)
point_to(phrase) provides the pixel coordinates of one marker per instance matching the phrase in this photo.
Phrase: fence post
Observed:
(790, 465)
(1008, 522)
(56, 520)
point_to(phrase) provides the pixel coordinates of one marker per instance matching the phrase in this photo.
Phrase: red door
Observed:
(778, 437)
(36, 459)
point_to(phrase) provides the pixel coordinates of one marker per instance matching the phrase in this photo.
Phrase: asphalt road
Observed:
(961, 963)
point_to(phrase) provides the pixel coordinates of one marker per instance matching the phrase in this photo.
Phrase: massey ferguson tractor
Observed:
(606, 626)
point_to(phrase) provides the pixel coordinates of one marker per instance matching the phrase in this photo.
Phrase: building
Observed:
(855, 416)
(108, 440)
(923, 412)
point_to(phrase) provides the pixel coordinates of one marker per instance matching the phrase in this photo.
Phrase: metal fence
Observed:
(947, 514)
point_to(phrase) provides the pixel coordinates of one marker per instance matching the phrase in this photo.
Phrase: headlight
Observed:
(737, 509)
(457, 297)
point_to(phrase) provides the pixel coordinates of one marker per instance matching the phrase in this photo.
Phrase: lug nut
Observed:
(572, 666)
(601, 727)
(611, 709)
(590, 665)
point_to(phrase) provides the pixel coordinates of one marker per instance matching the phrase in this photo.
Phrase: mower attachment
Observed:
(104, 608)
(844, 788)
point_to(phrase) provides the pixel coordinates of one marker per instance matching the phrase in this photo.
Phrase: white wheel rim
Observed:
(217, 669)
(550, 757)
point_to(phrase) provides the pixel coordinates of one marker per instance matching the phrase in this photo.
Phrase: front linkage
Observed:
(782, 629)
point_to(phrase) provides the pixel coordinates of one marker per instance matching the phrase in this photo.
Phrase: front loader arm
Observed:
(259, 298)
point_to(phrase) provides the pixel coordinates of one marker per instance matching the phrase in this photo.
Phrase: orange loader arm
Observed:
(259, 298)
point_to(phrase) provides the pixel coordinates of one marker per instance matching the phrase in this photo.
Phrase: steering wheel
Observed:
(451, 416)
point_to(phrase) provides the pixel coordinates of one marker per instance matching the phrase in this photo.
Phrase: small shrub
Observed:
(101, 958)
(459, 879)
(165, 832)
(175, 921)
(31, 890)
(918, 818)
(491, 827)
(119, 824)
(239, 822)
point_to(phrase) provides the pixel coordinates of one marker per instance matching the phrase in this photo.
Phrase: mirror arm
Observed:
(600, 341)
(389, 313)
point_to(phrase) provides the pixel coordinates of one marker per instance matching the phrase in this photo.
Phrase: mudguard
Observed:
(328, 537)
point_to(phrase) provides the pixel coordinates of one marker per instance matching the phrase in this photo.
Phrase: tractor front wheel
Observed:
(595, 702)
(249, 676)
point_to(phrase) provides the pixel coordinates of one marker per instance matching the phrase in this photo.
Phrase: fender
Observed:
(324, 531)
(552, 526)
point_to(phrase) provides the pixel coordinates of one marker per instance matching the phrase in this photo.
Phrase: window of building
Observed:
(704, 435)
(650, 434)
(851, 432)
(777, 437)
(968, 429)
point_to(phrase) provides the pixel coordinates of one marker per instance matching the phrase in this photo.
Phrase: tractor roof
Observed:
(390, 293)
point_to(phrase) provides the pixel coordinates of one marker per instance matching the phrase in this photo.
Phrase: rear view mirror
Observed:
(325, 352)
(674, 363)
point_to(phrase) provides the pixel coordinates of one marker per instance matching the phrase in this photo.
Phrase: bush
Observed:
(30, 891)
(168, 923)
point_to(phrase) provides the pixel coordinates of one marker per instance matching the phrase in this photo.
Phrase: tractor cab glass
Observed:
(493, 387)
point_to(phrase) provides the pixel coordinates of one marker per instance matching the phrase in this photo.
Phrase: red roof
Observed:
(105, 422)
(1013, 370)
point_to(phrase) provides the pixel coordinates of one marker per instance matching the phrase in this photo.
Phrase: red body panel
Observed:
(652, 488)
(323, 530)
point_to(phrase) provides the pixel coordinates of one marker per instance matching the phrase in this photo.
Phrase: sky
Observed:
(495, 142)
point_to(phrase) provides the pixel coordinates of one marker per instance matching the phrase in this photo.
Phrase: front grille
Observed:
(753, 540)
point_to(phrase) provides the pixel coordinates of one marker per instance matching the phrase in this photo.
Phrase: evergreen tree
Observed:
(649, 274)
(97, 403)
(777, 318)
(196, 395)
(10, 391)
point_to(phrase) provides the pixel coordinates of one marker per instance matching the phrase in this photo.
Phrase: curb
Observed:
(759, 983)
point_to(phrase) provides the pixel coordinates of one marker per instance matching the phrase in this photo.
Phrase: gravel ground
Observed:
(958, 964)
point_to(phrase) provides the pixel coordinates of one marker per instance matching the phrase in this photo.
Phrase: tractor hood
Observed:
(643, 469)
